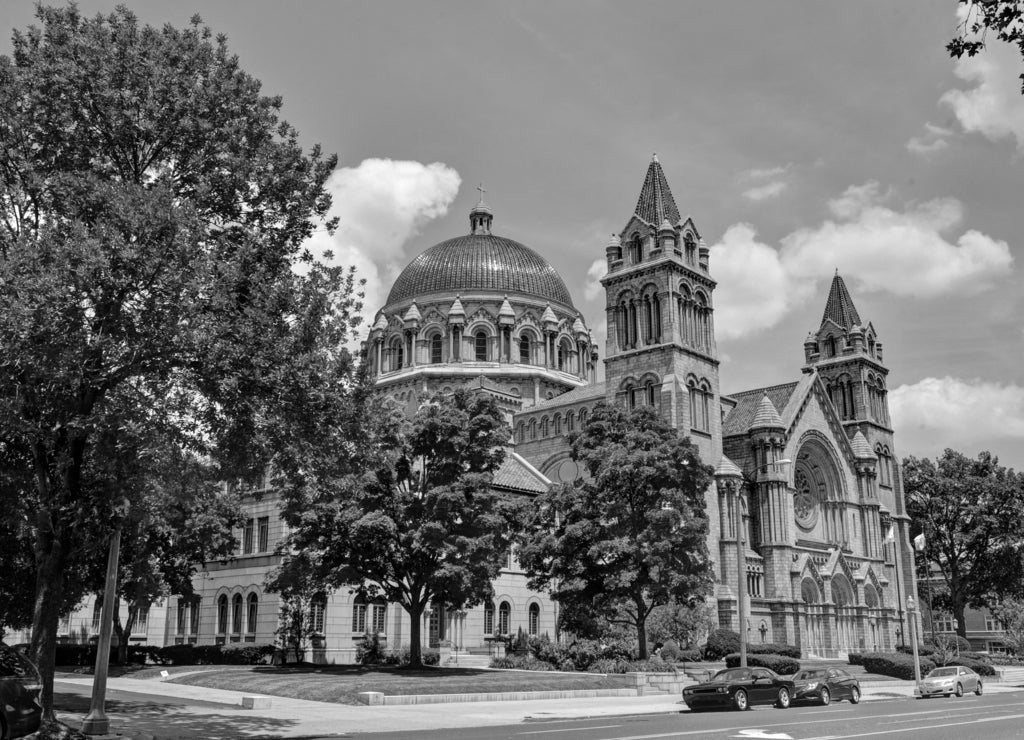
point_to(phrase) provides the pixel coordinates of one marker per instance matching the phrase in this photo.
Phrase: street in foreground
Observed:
(996, 717)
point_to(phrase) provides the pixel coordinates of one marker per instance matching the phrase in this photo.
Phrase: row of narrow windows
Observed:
(635, 249)
(542, 428)
(701, 398)
(639, 322)
(527, 350)
(829, 347)
(841, 393)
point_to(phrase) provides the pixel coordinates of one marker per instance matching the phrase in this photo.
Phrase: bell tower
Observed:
(659, 301)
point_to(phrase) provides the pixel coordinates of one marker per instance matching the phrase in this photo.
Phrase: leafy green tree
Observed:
(688, 624)
(420, 524)
(971, 513)
(632, 536)
(153, 205)
(1003, 18)
(1010, 613)
(299, 585)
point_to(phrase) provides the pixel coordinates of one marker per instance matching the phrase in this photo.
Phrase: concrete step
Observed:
(469, 660)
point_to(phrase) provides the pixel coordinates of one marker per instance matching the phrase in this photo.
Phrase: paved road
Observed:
(995, 717)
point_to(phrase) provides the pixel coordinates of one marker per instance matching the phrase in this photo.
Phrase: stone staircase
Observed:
(465, 659)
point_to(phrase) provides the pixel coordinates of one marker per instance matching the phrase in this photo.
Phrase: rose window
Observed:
(805, 502)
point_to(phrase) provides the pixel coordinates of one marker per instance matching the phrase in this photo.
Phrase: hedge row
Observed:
(240, 653)
(77, 654)
(978, 666)
(722, 642)
(781, 664)
(897, 665)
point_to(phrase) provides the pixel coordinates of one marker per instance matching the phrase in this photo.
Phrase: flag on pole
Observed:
(919, 542)
(890, 535)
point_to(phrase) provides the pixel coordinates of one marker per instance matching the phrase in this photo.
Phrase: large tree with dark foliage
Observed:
(153, 205)
(629, 537)
(971, 513)
(417, 521)
(1002, 18)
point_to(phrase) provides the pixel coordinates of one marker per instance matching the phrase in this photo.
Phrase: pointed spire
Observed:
(727, 469)
(861, 448)
(456, 314)
(839, 307)
(549, 316)
(656, 202)
(382, 323)
(766, 416)
(506, 316)
(412, 315)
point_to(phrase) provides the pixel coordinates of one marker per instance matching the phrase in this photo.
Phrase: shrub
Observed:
(206, 654)
(542, 648)
(401, 657)
(567, 665)
(773, 648)
(670, 651)
(690, 655)
(74, 654)
(781, 664)
(855, 659)
(370, 651)
(949, 642)
(983, 657)
(177, 655)
(720, 643)
(521, 662)
(246, 653)
(922, 650)
(897, 665)
(978, 666)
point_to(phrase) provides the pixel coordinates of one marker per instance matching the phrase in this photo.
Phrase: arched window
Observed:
(524, 350)
(318, 613)
(570, 422)
(583, 418)
(252, 613)
(533, 429)
(544, 427)
(636, 251)
(504, 618)
(480, 346)
(359, 614)
(435, 349)
(830, 347)
(489, 618)
(222, 615)
(399, 354)
(236, 614)
(534, 623)
(691, 248)
(650, 394)
(378, 616)
(520, 432)
(563, 357)
(558, 424)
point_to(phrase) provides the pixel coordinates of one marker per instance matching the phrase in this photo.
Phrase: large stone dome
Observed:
(480, 262)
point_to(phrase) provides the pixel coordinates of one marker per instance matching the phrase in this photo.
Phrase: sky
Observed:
(801, 137)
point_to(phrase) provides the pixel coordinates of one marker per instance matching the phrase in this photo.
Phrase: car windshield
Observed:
(807, 675)
(943, 672)
(732, 674)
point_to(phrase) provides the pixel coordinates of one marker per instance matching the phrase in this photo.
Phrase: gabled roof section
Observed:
(517, 474)
(583, 393)
(656, 202)
(839, 308)
(742, 415)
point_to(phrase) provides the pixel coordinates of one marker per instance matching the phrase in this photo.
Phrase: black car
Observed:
(823, 685)
(20, 711)
(740, 688)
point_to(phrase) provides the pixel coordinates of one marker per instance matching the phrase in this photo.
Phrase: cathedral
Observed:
(805, 471)
(810, 463)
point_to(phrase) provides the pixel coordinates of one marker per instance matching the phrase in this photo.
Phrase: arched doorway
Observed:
(844, 600)
(813, 631)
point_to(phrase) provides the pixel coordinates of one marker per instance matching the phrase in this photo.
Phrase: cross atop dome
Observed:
(481, 215)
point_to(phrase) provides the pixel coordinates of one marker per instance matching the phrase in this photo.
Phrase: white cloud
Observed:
(381, 205)
(934, 139)
(967, 415)
(993, 106)
(901, 252)
(592, 288)
(877, 247)
(766, 173)
(754, 289)
(764, 192)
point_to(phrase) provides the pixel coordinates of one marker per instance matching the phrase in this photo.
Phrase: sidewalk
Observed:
(147, 709)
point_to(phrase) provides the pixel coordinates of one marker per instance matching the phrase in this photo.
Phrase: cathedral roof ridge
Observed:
(839, 308)
(656, 203)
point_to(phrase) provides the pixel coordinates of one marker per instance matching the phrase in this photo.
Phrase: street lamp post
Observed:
(912, 623)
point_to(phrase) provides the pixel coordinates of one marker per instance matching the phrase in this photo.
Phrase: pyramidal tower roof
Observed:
(839, 307)
(767, 416)
(656, 202)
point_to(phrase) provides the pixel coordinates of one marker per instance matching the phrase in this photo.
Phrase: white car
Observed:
(950, 679)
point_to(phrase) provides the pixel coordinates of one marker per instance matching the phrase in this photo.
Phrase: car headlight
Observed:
(811, 686)
(722, 690)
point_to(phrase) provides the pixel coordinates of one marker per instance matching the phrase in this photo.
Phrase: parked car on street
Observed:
(825, 685)
(950, 679)
(739, 688)
(20, 711)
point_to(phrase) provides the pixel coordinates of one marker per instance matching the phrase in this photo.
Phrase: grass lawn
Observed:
(341, 684)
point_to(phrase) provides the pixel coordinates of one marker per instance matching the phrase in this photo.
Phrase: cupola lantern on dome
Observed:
(481, 215)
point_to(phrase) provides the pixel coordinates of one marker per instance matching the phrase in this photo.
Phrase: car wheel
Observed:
(978, 690)
(855, 695)
(959, 689)
(783, 700)
(826, 697)
(739, 699)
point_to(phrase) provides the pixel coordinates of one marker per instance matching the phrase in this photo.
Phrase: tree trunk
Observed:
(46, 616)
(415, 612)
(641, 628)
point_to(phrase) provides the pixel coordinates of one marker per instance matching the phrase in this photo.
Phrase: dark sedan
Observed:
(823, 685)
(20, 712)
(739, 688)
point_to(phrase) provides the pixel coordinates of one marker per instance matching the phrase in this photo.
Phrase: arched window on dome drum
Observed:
(524, 350)
(435, 349)
(397, 355)
(480, 346)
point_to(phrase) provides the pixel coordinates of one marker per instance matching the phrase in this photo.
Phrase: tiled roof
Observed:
(480, 262)
(656, 202)
(583, 393)
(839, 307)
(727, 467)
(516, 473)
(861, 448)
(767, 416)
(742, 416)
